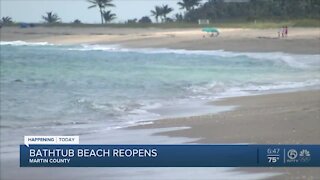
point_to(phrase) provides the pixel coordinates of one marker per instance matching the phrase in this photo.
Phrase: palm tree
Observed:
(7, 20)
(179, 17)
(108, 16)
(101, 4)
(189, 4)
(165, 11)
(51, 17)
(157, 12)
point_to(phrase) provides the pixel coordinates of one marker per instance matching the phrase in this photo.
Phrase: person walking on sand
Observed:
(282, 31)
(279, 32)
(286, 31)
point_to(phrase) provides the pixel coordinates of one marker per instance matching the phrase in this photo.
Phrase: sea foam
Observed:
(24, 43)
(293, 60)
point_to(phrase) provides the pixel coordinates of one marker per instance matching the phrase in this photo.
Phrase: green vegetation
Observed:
(51, 18)
(165, 11)
(134, 23)
(162, 12)
(6, 20)
(263, 24)
(218, 10)
(102, 4)
(157, 12)
(108, 16)
(245, 14)
(223, 24)
(77, 21)
(145, 19)
(189, 4)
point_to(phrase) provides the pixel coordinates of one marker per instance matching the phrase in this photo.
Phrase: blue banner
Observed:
(170, 156)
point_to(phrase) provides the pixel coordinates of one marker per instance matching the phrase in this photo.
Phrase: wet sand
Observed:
(284, 118)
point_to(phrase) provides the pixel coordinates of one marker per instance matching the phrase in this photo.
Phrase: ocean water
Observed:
(88, 88)
(95, 90)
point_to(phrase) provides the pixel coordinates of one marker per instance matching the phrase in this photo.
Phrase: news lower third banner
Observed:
(77, 155)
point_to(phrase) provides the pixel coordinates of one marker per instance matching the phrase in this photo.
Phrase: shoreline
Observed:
(278, 107)
(300, 40)
(279, 118)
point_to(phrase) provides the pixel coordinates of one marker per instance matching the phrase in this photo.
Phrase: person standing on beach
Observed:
(279, 32)
(282, 31)
(286, 31)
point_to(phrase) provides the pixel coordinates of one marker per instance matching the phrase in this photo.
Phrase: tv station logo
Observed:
(294, 156)
(288, 156)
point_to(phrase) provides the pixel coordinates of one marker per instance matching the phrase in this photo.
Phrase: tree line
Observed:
(217, 10)
(214, 10)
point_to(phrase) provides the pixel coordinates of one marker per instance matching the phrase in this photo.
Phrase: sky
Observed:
(69, 10)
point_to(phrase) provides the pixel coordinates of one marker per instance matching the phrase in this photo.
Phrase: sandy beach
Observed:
(299, 41)
(284, 118)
